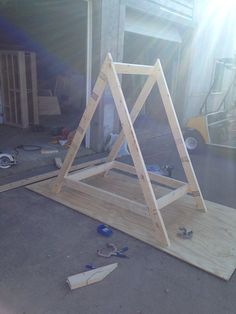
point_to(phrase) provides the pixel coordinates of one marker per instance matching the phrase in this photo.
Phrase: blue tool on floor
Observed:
(104, 230)
(90, 266)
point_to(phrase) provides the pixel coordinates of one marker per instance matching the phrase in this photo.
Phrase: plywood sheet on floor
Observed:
(212, 248)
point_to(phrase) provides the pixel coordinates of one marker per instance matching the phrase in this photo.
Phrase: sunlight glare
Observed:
(225, 4)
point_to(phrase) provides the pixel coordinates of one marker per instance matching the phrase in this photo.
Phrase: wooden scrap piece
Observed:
(46, 151)
(48, 105)
(58, 162)
(89, 277)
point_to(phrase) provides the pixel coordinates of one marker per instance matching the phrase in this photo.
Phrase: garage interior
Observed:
(56, 64)
(62, 78)
(43, 241)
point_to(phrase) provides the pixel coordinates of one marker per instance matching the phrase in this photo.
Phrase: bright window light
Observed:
(225, 4)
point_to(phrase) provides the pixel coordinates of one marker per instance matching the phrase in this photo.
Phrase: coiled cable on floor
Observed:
(27, 148)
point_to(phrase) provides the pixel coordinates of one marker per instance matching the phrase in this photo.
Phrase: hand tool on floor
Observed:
(184, 233)
(114, 251)
(165, 170)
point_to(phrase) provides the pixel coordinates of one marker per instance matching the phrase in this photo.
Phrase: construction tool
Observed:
(165, 170)
(7, 160)
(114, 251)
(184, 233)
(104, 230)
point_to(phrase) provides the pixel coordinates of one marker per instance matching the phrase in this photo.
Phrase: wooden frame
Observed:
(109, 75)
(19, 88)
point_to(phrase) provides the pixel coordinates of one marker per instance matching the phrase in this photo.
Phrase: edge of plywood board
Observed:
(213, 247)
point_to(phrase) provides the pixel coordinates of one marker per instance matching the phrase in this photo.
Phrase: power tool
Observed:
(7, 160)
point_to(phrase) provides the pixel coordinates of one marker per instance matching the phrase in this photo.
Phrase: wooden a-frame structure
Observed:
(109, 75)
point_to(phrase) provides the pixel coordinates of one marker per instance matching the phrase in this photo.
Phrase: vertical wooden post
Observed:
(179, 140)
(84, 123)
(33, 67)
(8, 90)
(23, 90)
(2, 92)
(155, 215)
(14, 88)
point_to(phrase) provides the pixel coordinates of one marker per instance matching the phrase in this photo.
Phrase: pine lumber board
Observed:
(212, 248)
(33, 63)
(128, 68)
(45, 176)
(172, 196)
(113, 198)
(23, 88)
(83, 174)
(169, 182)
(179, 140)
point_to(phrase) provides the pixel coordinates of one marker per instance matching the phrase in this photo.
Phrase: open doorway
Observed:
(51, 39)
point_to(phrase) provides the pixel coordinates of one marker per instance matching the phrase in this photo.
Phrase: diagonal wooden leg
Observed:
(179, 140)
(133, 114)
(154, 213)
(84, 123)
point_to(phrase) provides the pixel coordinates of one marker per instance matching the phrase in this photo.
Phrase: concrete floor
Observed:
(42, 242)
(11, 137)
(30, 161)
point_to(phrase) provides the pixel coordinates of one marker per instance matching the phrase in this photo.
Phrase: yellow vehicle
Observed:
(214, 127)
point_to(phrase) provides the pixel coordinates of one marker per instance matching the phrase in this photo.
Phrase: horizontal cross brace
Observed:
(166, 181)
(172, 196)
(103, 195)
(125, 68)
(89, 172)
